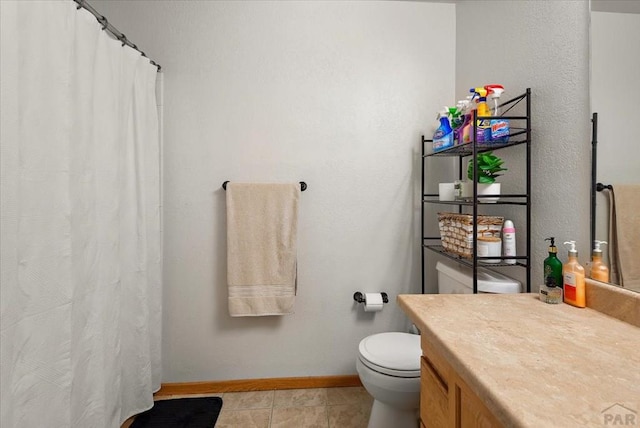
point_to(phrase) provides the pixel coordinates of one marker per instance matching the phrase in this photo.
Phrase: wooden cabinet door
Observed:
(472, 413)
(434, 397)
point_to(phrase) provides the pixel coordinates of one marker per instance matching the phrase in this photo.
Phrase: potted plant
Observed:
(489, 168)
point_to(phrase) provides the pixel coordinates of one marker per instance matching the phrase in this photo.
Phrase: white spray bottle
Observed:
(499, 127)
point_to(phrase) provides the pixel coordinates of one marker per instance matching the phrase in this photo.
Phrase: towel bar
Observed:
(303, 185)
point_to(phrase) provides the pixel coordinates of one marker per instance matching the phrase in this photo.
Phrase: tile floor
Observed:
(294, 408)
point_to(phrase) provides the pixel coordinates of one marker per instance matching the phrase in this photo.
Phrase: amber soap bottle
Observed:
(599, 270)
(573, 279)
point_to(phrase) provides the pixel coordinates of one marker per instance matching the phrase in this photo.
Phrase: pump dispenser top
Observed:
(596, 246)
(572, 248)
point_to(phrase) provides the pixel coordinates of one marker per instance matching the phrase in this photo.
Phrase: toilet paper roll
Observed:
(373, 302)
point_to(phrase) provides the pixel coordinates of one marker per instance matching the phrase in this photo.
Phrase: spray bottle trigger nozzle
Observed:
(443, 113)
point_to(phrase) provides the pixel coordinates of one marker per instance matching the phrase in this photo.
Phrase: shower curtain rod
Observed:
(106, 25)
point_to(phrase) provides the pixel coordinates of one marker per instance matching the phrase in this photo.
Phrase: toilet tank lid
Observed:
(398, 351)
(488, 281)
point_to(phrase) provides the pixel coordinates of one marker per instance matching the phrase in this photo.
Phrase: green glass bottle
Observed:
(552, 265)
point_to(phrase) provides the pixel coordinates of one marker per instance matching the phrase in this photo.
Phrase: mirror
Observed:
(615, 60)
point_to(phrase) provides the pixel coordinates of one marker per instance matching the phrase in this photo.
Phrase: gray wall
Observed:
(338, 94)
(333, 93)
(543, 45)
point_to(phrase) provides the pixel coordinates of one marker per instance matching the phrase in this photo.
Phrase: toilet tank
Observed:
(458, 279)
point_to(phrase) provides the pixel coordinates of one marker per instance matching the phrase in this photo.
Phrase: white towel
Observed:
(624, 235)
(262, 223)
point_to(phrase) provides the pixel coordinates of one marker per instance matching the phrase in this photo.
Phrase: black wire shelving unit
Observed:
(520, 134)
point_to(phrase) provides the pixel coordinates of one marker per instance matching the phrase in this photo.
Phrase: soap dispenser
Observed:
(599, 270)
(573, 278)
(552, 265)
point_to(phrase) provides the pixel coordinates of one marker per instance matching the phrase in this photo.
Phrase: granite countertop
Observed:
(535, 364)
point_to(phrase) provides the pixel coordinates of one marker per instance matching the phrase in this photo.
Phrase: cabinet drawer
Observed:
(434, 396)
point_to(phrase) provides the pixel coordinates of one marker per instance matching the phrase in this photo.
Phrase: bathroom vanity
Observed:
(493, 360)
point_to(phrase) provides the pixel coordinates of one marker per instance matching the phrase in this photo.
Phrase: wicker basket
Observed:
(456, 231)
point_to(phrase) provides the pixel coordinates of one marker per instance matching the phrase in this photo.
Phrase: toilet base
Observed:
(385, 416)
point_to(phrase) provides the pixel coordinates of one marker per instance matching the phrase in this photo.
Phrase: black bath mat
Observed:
(181, 413)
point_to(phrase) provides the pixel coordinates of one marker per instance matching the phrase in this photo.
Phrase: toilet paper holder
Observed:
(359, 297)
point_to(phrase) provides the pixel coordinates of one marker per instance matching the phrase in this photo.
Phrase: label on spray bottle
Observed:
(483, 131)
(442, 141)
(499, 130)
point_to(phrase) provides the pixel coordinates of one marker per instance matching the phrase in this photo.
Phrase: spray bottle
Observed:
(465, 135)
(499, 127)
(483, 126)
(443, 137)
(455, 115)
(599, 270)
(553, 265)
(462, 108)
(573, 278)
(509, 242)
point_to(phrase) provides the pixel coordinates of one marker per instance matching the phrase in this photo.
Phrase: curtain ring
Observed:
(103, 21)
(143, 54)
(123, 39)
(80, 4)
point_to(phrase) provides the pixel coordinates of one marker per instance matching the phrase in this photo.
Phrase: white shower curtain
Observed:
(80, 292)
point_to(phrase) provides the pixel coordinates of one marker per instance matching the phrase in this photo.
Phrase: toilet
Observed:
(389, 368)
(458, 279)
(389, 363)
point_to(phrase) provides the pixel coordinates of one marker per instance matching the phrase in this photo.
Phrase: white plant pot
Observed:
(483, 189)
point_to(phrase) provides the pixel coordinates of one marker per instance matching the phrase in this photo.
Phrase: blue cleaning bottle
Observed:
(443, 137)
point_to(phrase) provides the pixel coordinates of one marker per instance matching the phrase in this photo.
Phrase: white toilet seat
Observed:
(393, 354)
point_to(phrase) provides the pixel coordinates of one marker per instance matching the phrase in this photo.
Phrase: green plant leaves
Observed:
(489, 167)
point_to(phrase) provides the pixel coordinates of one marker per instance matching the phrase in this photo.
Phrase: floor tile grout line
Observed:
(326, 413)
(273, 402)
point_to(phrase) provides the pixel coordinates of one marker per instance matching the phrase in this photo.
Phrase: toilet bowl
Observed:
(389, 367)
